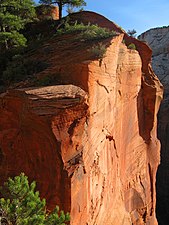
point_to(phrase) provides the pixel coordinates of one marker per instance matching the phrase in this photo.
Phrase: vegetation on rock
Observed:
(21, 205)
(21, 68)
(131, 46)
(61, 3)
(87, 32)
(14, 15)
(132, 33)
(98, 51)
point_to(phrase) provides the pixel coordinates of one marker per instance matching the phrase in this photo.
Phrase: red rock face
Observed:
(93, 152)
(121, 152)
(28, 144)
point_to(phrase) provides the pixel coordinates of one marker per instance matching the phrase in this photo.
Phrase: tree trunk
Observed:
(60, 9)
(5, 42)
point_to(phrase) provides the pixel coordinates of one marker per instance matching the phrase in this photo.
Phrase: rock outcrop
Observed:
(91, 143)
(158, 40)
(47, 12)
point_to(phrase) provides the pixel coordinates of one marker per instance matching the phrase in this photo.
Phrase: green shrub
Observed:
(45, 81)
(20, 68)
(87, 32)
(98, 51)
(21, 205)
(131, 46)
(124, 41)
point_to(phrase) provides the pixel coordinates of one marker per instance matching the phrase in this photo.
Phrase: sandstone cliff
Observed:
(91, 142)
(158, 40)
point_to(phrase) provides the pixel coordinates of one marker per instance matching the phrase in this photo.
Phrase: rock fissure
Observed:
(102, 85)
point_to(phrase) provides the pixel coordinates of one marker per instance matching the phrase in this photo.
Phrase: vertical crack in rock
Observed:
(141, 183)
(72, 127)
(102, 85)
(151, 187)
(73, 164)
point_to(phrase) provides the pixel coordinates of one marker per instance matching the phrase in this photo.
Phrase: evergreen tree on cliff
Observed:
(14, 14)
(61, 3)
(22, 205)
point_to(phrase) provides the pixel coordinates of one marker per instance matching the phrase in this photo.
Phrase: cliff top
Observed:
(153, 29)
(50, 47)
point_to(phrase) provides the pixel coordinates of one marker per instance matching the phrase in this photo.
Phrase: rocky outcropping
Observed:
(47, 12)
(90, 144)
(158, 40)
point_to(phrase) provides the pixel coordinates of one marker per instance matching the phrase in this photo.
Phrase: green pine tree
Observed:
(61, 3)
(14, 14)
(21, 205)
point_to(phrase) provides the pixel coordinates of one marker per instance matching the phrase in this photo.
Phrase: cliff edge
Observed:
(89, 142)
(158, 40)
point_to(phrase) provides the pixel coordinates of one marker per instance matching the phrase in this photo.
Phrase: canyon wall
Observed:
(91, 142)
(158, 40)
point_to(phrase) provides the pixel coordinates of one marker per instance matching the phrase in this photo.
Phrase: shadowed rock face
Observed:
(28, 143)
(158, 40)
(91, 145)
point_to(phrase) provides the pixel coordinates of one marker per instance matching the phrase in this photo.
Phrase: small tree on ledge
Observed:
(61, 3)
(132, 33)
(21, 205)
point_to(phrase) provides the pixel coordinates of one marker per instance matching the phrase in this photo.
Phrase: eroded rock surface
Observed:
(27, 142)
(158, 40)
(91, 145)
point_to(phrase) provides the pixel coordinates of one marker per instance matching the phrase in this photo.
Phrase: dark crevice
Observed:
(151, 186)
(72, 127)
(162, 177)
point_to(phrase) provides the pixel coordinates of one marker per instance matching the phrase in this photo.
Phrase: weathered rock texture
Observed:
(91, 145)
(158, 40)
(47, 12)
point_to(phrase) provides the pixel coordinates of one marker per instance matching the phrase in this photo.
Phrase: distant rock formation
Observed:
(91, 142)
(158, 40)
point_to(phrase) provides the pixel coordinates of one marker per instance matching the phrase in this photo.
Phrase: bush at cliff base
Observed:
(21, 205)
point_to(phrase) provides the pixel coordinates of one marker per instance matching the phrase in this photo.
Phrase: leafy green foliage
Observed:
(87, 32)
(131, 46)
(22, 205)
(45, 81)
(14, 15)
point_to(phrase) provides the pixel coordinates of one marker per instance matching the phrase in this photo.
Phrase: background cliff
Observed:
(88, 138)
(158, 40)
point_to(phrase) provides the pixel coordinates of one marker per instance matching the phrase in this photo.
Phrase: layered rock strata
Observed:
(158, 40)
(91, 145)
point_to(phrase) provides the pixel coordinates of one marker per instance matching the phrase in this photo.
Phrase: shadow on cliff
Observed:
(162, 199)
(162, 184)
(145, 116)
(140, 114)
(28, 145)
